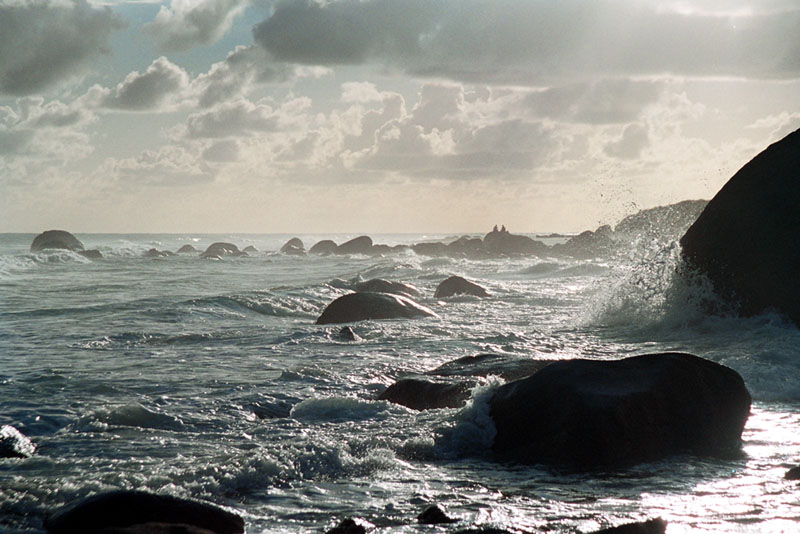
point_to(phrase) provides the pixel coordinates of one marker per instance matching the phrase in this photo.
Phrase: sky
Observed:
(382, 116)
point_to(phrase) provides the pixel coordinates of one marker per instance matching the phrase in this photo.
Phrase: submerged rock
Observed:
(433, 515)
(155, 253)
(221, 249)
(359, 245)
(92, 254)
(378, 285)
(324, 247)
(651, 526)
(363, 306)
(126, 509)
(456, 285)
(15, 444)
(347, 334)
(349, 526)
(746, 239)
(187, 249)
(422, 394)
(56, 239)
(250, 249)
(294, 247)
(588, 414)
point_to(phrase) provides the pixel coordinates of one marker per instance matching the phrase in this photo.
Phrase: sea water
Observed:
(209, 379)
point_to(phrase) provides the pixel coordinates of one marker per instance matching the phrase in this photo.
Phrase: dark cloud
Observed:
(43, 43)
(162, 81)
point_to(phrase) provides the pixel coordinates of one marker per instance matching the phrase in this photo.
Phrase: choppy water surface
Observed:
(209, 379)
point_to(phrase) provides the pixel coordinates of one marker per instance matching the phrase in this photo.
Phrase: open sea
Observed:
(209, 379)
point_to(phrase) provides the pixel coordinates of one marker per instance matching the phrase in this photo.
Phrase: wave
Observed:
(261, 303)
(129, 415)
(340, 409)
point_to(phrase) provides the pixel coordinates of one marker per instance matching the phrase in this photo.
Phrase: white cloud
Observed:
(232, 119)
(161, 84)
(188, 23)
(630, 144)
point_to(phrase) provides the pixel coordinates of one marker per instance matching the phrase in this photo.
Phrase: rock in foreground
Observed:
(126, 509)
(589, 414)
(59, 239)
(746, 241)
(363, 306)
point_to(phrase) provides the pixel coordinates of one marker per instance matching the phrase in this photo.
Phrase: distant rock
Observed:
(250, 249)
(132, 509)
(434, 249)
(15, 444)
(652, 526)
(423, 394)
(378, 285)
(155, 253)
(92, 254)
(187, 249)
(589, 414)
(324, 247)
(505, 243)
(363, 306)
(221, 250)
(746, 240)
(358, 245)
(294, 247)
(56, 239)
(588, 244)
(468, 247)
(456, 285)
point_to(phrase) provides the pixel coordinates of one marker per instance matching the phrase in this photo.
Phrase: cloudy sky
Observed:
(382, 115)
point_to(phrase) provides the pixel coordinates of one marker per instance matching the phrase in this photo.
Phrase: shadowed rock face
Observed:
(221, 249)
(363, 306)
(378, 285)
(359, 245)
(294, 247)
(123, 509)
(504, 242)
(59, 239)
(326, 246)
(456, 285)
(421, 394)
(746, 240)
(186, 249)
(588, 414)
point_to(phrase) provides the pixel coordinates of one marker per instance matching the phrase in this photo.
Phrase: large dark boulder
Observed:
(469, 247)
(434, 249)
(125, 509)
(456, 285)
(324, 247)
(220, 249)
(651, 526)
(746, 240)
(92, 254)
(378, 285)
(358, 245)
(294, 247)
(58, 239)
(423, 394)
(588, 414)
(15, 444)
(363, 306)
(505, 243)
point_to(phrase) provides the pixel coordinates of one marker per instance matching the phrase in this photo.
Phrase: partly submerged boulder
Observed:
(588, 414)
(423, 394)
(155, 253)
(378, 285)
(358, 245)
(324, 247)
(363, 306)
(456, 285)
(746, 239)
(294, 247)
(588, 244)
(220, 249)
(59, 239)
(126, 509)
(92, 254)
(428, 248)
(187, 249)
(651, 526)
(250, 249)
(15, 444)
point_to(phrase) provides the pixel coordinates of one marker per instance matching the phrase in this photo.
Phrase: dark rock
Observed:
(506, 243)
(502, 365)
(745, 241)
(187, 249)
(347, 334)
(588, 244)
(14, 444)
(470, 247)
(326, 246)
(363, 306)
(92, 254)
(485, 530)
(456, 285)
(433, 515)
(651, 526)
(421, 394)
(221, 250)
(588, 414)
(59, 239)
(120, 509)
(250, 249)
(793, 473)
(359, 245)
(378, 285)
(155, 528)
(155, 253)
(662, 223)
(380, 250)
(348, 526)
(294, 247)
(434, 249)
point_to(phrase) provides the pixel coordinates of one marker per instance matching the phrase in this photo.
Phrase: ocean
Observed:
(209, 379)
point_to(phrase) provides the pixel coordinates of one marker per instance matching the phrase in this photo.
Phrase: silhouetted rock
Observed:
(250, 249)
(456, 285)
(588, 244)
(469, 247)
(348, 526)
(326, 246)
(659, 224)
(92, 254)
(56, 239)
(122, 509)
(587, 414)
(421, 394)
(378, 285)
(793, 473)
(221, 250)
(15, 444)
(505, 366)
(652, 526)
(363, 306)
(187, 249)
(380, 250)
(294, 247)
(434, 249)
(358, 245)
(348, 334)
(154, 528)
(506, 243)
(433, 515)
(155, 253)
(746, 240)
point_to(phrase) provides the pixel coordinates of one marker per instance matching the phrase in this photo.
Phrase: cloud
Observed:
(633, 140)
(231, 119)
(188, 23)
(45, 42)
(44, 131)
(519, 41)
(161, 83)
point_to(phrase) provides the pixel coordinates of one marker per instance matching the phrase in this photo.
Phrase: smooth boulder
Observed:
(456, 285)
(358, 245)
(294, 247)
(126, 509)
(746, 239)
(187, 249)
(56, 239)
(15, 444)
(220, 249)
(589, 414)
(379, 285)
(363, 306)
(324, 247)
(421, 394)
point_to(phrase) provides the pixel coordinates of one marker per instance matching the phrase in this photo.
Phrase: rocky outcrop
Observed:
(15, 444)
(378, 285)
(250, 249)
(588, 414)
(129, 509)
(294, 247)
(589, 244)
(324, 247)
(424, 394)
(363, 306)
(467, 247)
(220, 250)
(358, 245)
(56, 239)
(187, 249)
(155, 253)
(456, 285)
(433, 515)
(745, 241)
(502, 242)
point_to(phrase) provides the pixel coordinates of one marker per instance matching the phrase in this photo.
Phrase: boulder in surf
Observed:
(324, 247)
(187, 249)
(364, 306)
(15, 444)
(220, 250)
(379, 285)
(56, 239)
(456, 285)
(358, 245)
(589, 414)
(294, 247)
(423, 394)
